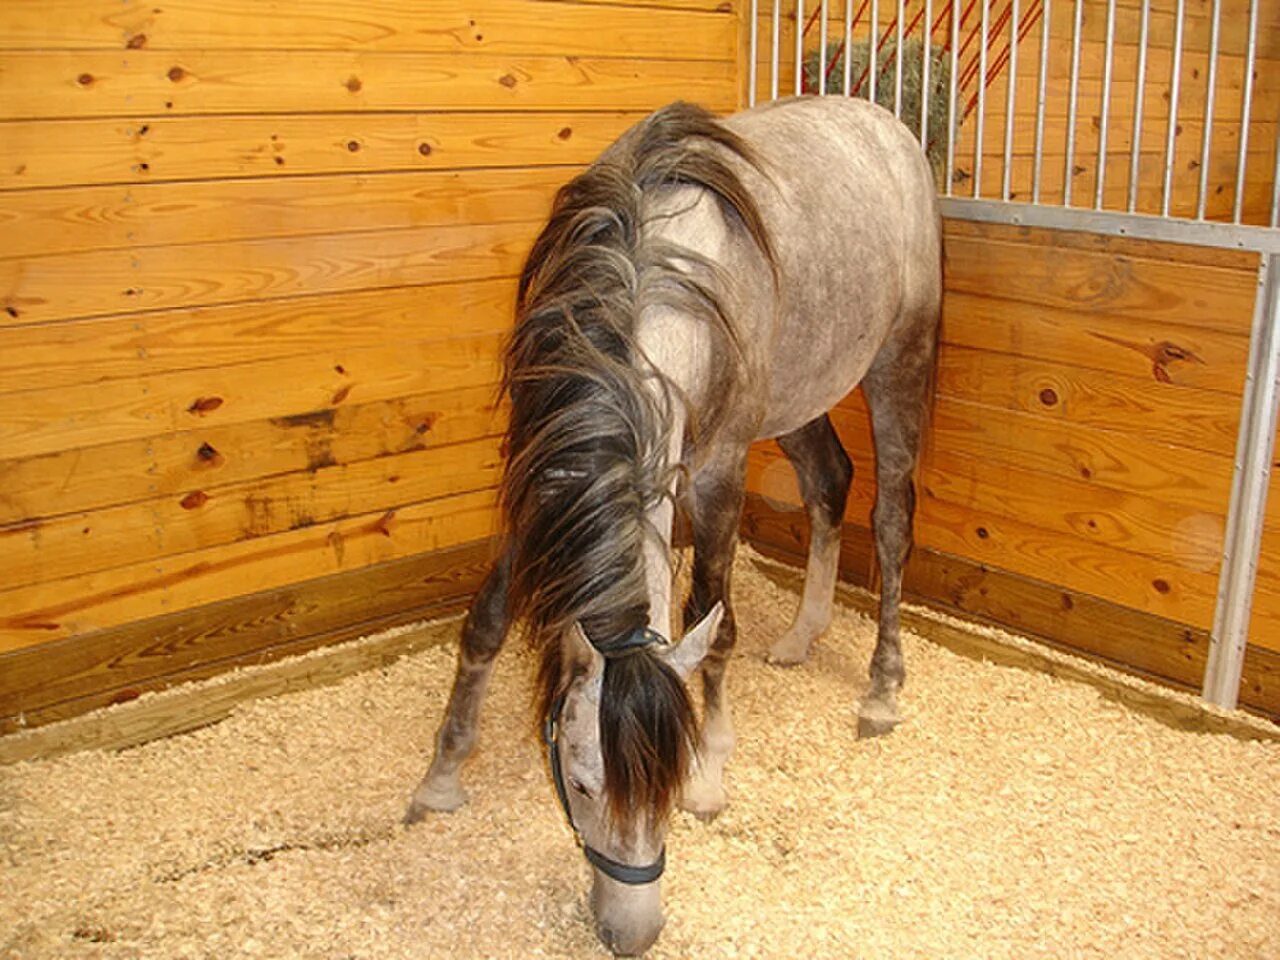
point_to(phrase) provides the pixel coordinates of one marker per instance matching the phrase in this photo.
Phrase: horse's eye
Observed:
(579, 788)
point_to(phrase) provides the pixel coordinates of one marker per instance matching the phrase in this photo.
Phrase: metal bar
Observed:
(1246, 110)
(1211, 84)
(1144, 226)
(1172, 133)
(1251, 477)
(926, 61)
(1072, 102)
(799, 48)
(873, 51)
(1140, 94)
(1011, 84)
(897, 60)
(982, 100)
(755, 50)
(1108, 57)
(848, 46)
(822, 46)
(774, 50)
(1042, 82)
(951, 97)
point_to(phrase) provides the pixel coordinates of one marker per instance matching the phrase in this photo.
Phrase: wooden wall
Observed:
(1078, 466)
(256, 263)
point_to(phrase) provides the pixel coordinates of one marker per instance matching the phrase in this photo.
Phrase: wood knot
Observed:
(424, 149)
(137, 41)
(1162, 586)
(202, 405)
(176, 74)
(85, 79)
(1048, 396)
(341, 395)
(982, 533)
(197, 498)
(508, 80)
(353, 84)
(207, 454)
(353, 146)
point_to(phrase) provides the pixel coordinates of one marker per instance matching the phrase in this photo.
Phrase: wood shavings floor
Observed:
(1011, 815)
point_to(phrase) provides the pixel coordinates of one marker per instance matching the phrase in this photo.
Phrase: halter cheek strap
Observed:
(621, 872)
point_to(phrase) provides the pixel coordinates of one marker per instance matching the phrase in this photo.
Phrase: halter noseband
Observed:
(626, 873)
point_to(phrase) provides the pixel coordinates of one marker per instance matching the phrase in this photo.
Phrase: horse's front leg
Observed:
(716, 509)
(482, 637)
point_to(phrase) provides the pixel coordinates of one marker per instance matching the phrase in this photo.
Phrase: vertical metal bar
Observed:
(775, 65)
(1211, 85)
(873, 52)
(926, 61)
(848, 46)
(1072, 103)
(1172, 133)
(1254, 448)
(1041, 85)
(755, 52)
(1108, 57)
(897, 61)
(1011, 79)
(1246, 109)
(951, 97)
(799, 47)
(822, 47)
(1139, 101)
(979, 118)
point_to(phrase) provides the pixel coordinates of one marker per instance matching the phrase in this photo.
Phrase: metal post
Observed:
(1072, 101)
(951, 97)
(1211, 84)
(1172, 132)
(799, 47)
(982, 100)
(774, 51)
(1011, 84)
(897, 61)
(1041, 84)
(873, 52)
(926, 58)
(1108, 56)
(1140, 94)
(1254, 448)
(848, 46)
(755, 52)
(822, 48)
(1246, 110)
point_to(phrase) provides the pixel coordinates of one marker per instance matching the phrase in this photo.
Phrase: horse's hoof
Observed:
(431, 798)
(869, 727)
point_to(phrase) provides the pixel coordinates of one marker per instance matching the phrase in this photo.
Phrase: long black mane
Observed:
(590, 426)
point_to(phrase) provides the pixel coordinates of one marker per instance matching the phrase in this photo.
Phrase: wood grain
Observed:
(93, 351)
(447, 26)
(67, 286)
(57, 153)
(90, 83)
(84, 479)
(63, 679)
(37, 422)
(51, 611)
(76, 219)
(208, 516)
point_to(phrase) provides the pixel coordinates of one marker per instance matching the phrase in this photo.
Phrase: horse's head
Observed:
(620, 738)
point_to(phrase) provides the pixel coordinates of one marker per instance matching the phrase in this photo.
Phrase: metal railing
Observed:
(971, 46)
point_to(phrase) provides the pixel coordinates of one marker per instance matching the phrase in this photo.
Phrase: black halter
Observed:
(614, 870)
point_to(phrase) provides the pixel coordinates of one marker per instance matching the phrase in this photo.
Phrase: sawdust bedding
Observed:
(1011, 815)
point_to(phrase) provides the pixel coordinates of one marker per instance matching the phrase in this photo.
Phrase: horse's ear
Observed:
(689, 652)
(586, 660)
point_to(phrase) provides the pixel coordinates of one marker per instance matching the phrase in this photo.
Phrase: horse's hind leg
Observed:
(896, 389)
(715, 512)
(825, 473)
(482, 636)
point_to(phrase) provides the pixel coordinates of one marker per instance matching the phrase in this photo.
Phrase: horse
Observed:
(705, 284)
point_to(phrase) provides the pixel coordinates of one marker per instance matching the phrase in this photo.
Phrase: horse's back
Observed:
(852, 213)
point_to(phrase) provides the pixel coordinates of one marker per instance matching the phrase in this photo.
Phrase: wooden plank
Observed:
(447, 26)
(93, 351)
(50, 611)
(1129, 579)
(1127, 639)
(1166, 533)
(57, 680)
(38, 222)
(1179, 476)
(38, 422)
(170, 465)
(67, 286)
(1151, 290)
(90, 83)
(1147, 408)
(56, 153)
(80, 543)
(770, 475)
(1185, 356)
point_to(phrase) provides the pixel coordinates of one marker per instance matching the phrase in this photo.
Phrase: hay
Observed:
(1011, 815)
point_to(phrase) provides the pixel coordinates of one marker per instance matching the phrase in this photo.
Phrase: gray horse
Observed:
(703, 285)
